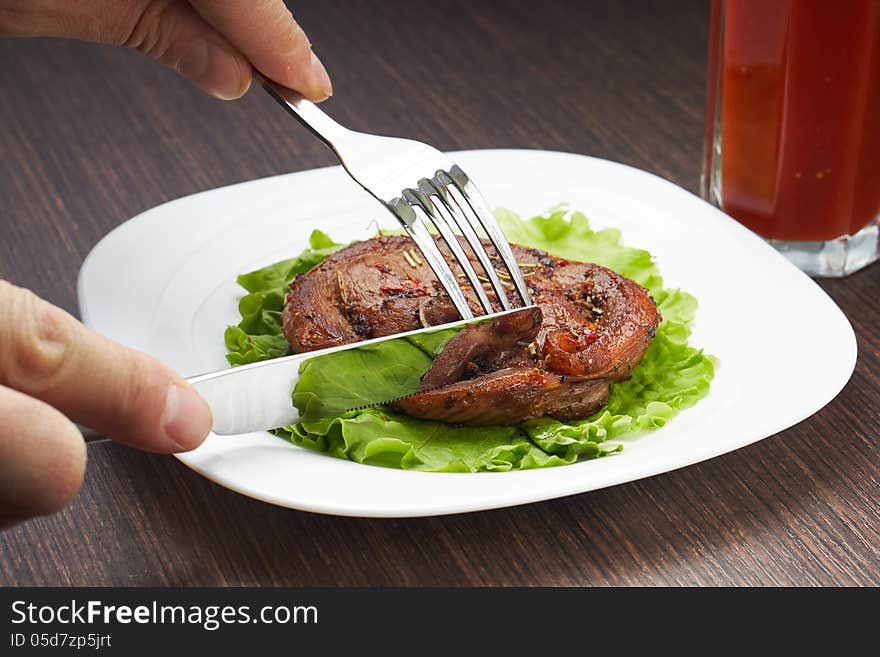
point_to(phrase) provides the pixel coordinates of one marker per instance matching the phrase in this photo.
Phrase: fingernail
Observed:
(321, 87)
(187, 417)
(214, 68)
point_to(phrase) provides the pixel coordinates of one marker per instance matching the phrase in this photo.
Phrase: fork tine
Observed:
(411, 218)
(425, 198)
(452, 207)
(481, 209)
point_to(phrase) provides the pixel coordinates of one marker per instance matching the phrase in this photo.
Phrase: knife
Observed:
(258, 396)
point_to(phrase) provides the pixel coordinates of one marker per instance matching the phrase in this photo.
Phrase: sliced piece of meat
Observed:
(487, 375)
(484, 347)
(596, 325)
(507, 397)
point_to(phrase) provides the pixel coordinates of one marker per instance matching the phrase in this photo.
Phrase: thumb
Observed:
(126, 395)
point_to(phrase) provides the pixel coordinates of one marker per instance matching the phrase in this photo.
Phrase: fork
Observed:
(420, 186)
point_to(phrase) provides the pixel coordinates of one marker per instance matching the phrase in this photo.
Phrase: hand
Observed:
(51, 366)
(214, 43)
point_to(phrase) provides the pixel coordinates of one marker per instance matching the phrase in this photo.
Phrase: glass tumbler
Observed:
(792, 144)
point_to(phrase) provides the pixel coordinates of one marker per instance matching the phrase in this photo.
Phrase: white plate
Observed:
(164, 282)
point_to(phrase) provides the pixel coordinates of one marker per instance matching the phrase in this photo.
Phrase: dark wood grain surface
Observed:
(91, 135)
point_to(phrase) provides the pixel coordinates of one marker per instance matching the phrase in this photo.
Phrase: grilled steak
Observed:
(591, 327)
(507, 397)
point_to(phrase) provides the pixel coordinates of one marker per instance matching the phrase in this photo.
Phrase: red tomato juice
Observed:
(799, 115)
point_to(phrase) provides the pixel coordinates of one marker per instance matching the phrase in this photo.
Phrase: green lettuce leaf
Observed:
(258, 335)
(671, 377)
(568, 235)
(331, 384)
(379, 437)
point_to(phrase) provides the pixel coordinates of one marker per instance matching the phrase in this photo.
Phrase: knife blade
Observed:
(258, 396)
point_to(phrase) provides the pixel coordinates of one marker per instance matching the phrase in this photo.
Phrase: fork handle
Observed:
(307, 113)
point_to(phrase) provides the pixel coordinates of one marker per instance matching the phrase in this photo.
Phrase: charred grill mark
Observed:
(359, 323)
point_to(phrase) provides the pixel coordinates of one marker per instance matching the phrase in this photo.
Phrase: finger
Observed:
(172, 33)
(175, 35)
(42, 458)
(267, 34)
(124, 394)
(169, 31)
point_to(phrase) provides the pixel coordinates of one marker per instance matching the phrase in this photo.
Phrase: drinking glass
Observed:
(792, 144)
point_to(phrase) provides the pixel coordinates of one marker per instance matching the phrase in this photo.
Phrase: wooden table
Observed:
(91, 135)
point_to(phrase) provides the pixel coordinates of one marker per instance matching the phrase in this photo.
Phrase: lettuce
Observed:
(258, 335)
(334, 383)
(671, 377)
(377, 436)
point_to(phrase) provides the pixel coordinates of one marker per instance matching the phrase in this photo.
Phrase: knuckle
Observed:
(149, 33)
(36, 345)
